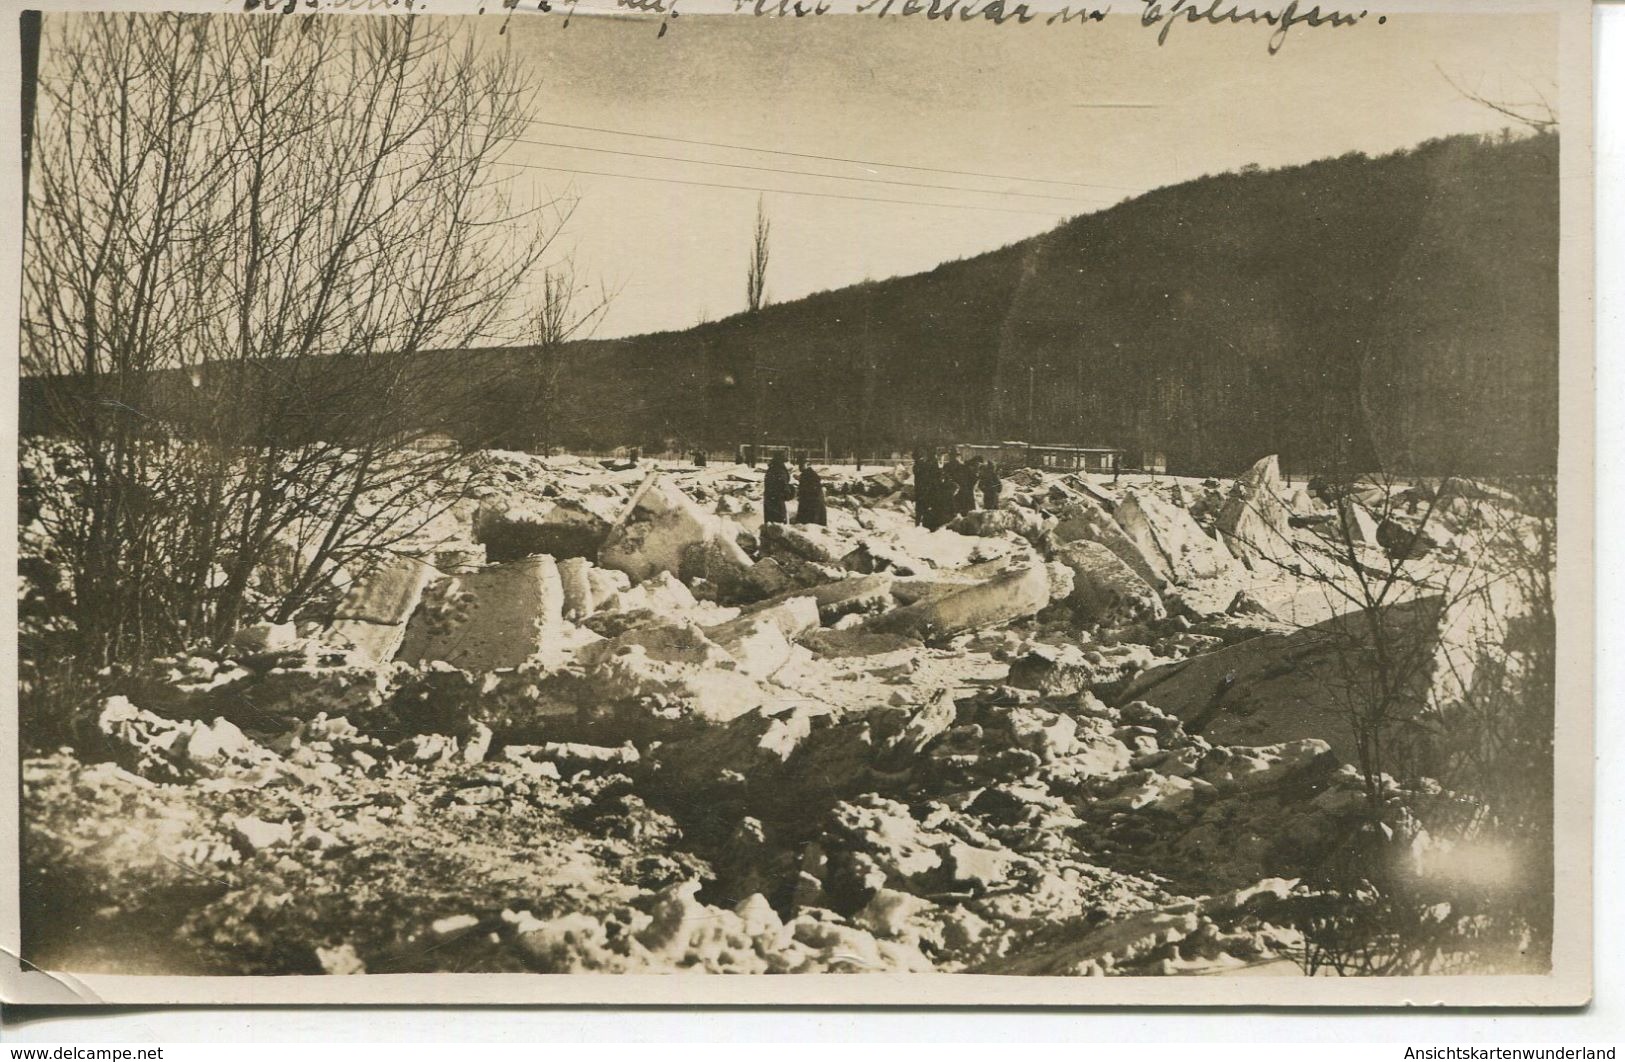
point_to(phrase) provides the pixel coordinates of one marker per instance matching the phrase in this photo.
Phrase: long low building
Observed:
(1055, 457)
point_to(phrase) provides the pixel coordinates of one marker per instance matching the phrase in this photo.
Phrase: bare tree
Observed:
(1440, 646)
(756, 271)
(232, 302)
(1537, 114)
(755, 299)
(566, 310)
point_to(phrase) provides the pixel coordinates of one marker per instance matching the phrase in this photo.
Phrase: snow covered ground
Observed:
(606, 720)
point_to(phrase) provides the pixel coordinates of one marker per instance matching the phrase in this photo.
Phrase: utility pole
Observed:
(761, 399)
(1077, 427)
(1031, 423)
(765, 375)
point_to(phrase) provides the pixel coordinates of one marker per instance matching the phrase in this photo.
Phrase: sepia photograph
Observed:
(989, 494)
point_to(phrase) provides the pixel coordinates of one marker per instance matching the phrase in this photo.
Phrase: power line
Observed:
(827, 158)
(777, 151)
(801, 173)
(786, 191)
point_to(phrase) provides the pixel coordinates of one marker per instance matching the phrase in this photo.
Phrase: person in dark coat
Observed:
(988, 481)
(776, 492)
(810, 498)
(926, 476)
(965, 496)
(944, 492)
(950, 467)
(953, 475)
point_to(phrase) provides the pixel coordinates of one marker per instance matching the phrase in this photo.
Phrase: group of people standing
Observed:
(942, 492)
(809, 494)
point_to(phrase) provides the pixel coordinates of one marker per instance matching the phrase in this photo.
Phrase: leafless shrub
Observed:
(246, 240)
(1443, 647)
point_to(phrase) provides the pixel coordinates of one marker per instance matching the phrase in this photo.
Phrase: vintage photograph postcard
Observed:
(605, 501)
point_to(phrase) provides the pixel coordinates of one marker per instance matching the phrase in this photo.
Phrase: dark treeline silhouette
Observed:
(1398, 311)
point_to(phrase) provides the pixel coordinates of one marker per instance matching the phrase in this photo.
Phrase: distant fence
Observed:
(724, 457)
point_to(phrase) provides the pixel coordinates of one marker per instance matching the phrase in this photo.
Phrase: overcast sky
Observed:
(882, 147)
(1098, 106)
